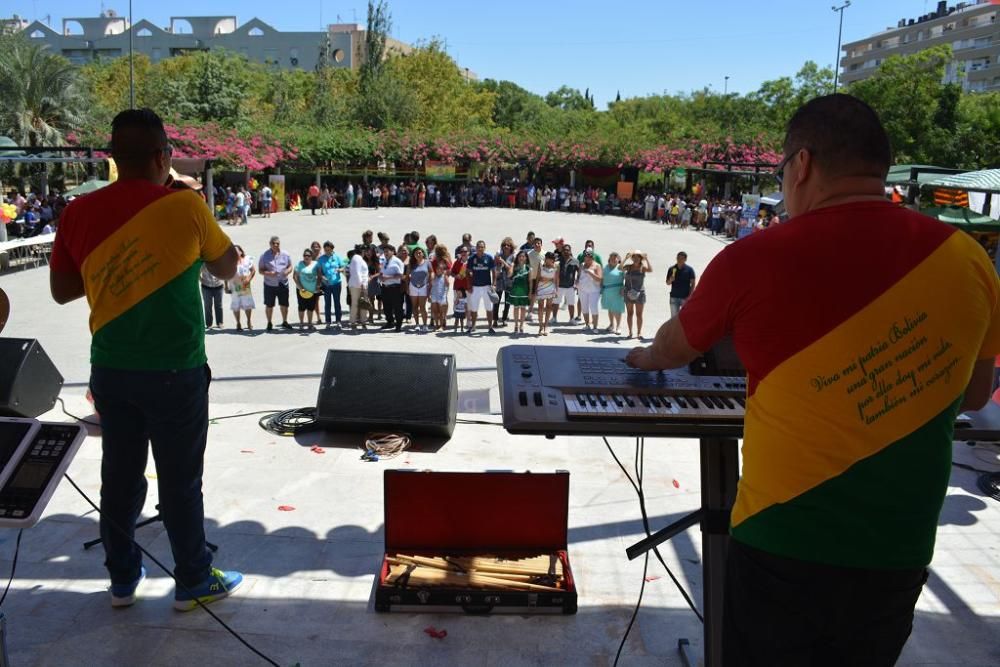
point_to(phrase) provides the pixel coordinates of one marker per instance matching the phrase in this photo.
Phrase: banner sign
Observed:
(277, 183)
(748, 216)
(439, 170)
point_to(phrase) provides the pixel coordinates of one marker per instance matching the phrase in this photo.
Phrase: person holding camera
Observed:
(635, 267)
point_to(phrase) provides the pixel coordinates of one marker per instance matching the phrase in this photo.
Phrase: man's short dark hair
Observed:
(682, 254)
(415, 236)
(843, 134)
(136, 134)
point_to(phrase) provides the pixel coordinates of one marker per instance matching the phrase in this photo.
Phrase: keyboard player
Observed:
(864, 328)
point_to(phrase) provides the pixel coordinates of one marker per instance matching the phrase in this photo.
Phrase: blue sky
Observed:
(638, 47)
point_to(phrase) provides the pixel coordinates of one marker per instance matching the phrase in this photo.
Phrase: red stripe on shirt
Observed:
(792, 284)
(90, 219)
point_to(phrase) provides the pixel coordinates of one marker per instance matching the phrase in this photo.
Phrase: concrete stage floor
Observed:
(310, 572)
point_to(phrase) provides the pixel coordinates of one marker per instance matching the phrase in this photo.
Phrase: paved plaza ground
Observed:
(310, 572)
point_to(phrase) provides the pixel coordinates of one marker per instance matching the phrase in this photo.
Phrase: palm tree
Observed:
(41, 95)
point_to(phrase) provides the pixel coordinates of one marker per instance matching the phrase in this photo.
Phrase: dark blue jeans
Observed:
(170, 410)
(332, 292)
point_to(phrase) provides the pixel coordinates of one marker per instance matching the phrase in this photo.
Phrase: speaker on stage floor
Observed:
(388, 391)
(29, 381)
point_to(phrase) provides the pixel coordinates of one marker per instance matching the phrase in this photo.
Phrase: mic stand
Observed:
(145, 522)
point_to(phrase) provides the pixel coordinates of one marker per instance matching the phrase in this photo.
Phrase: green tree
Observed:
(569, 99)
(43, 95)
(445, 100)
(383, 99)
(782, 96)
(906, 92)
(514, 107)
(107, 86)
(376, 31)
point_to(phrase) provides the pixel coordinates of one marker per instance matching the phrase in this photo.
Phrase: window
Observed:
(270, 56)
(157, 54)
(144, 32)
(77, 56)
(37, 34)
(338, 55)
(256, 32)
(982, 42)
(920, 35)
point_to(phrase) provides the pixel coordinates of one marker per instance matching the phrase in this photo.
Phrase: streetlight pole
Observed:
(840, 32)
(131, 58)
(725, 89)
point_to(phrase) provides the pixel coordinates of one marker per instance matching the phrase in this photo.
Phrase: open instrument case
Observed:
(476, 543)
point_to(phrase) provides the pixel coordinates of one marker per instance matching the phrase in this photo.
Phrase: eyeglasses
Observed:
(307, 254)
(779, 171)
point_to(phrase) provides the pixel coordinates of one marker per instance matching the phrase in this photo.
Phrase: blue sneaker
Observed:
(123, 595)
(218, 585)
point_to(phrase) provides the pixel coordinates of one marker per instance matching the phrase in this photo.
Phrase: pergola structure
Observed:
(89, 156)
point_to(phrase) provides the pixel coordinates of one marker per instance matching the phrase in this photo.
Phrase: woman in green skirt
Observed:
(520, 287)
(613, 292)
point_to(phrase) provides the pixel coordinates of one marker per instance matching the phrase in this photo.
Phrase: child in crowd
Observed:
(460, 301)
(439, 296)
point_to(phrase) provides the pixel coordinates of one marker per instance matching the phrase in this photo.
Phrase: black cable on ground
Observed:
(169, 574)
(289, 422)
(989, 483)
(13, 566)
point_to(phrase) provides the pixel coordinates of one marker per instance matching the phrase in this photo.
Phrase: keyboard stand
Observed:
(720, 472)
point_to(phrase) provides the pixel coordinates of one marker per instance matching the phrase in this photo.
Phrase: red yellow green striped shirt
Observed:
(859, 326)
(139, 248)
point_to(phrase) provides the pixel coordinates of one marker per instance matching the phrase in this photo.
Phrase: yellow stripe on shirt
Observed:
(835, 403)
(155, 246)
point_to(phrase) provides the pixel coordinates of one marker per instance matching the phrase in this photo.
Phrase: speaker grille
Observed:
(379, 389)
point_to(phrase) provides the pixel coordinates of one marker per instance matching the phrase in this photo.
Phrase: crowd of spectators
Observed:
(423, 284)
(33, 215)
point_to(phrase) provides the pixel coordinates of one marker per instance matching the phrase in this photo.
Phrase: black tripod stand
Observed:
(145, 522)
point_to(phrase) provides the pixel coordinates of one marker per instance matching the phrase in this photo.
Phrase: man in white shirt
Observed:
(241, 202)
(265, 201)
(391, 278)
(650, 205)
(357, 285)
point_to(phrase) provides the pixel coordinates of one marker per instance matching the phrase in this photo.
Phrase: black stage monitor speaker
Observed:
(388, 391)
(29, 381)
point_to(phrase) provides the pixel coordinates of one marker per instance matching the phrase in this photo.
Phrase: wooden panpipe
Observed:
(536, 573)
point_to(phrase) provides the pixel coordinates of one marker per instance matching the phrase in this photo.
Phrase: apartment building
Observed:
(971, 28)
(82, 40)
